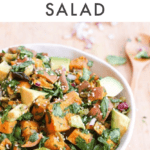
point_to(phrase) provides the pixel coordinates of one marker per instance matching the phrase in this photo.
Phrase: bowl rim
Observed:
(132, 101)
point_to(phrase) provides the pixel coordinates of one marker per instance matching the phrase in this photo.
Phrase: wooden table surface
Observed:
(23, 33)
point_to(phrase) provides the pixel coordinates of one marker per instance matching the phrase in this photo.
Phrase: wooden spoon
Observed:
(132, 48)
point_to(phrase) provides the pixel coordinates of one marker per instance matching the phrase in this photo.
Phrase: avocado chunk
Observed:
(42, 148)
(120, 121)
(58, 62)
(16, 112)
(112, 86)
(29, 95)
(76, 122)
(4, 70)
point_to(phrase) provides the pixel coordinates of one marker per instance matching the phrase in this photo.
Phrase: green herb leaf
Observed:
(90, 63)
(34, 137)
(57, 111)
(103, 141)
(73, 108)
(116, 60)
(116, 100)
(17, 132)
(142, 54)
(104, 106)
(81, 143)
(5, 113)
(26, 116)
(21, 67)
(86, 75)
(45, 59)
(24, 52)
(42, 141)
(115, 135)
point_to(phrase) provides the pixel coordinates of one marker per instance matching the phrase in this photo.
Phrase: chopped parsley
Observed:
(86, 75)
(24, 52)
(5, 113)
(26, 116)
(57, 111)
(142, 54)
(116, 60)
(90, 63)
(34, 137)
(104, 106)
(21, 67)
(73, 108)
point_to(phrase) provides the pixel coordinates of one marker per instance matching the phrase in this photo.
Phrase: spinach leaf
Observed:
(26, 116)
(17, 133)
(24, 52)
(86, 75)
(2, 137)
(116, 60)
(5, 113)
(98, 147)
(45, 59)
(34, 137)
(72, 147)
(106, 146)
(115, 100)
(90, 63)
(115, 135)
(42, 141)
(57, 111)
(73, 108)
(81, 143)
(104, 106)
(142, 54)
(21, 67)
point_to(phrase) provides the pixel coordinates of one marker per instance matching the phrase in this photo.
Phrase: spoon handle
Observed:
(135, 77)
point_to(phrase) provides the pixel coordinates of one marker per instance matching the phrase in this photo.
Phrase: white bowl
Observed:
(101, 68)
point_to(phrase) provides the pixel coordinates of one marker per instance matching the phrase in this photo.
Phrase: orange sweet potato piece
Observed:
(64, 82)
(96, 111)
(72, 137)
(43, 83)
(7, 127)
(13, 50)
(55, 141)
(2, 147)
(67, 147)
(78, 75)
(58, 124)
(16, 148)
(23, 84)
(85, 85)
(89, 127)
(79, 63)
(32, 144)
(6, 141)
(97, 93)
(39, 108)
(28, 127)
(38, 62)
(99, 128)
(51, 78)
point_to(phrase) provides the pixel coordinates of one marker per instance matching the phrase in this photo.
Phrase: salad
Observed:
(53, 103)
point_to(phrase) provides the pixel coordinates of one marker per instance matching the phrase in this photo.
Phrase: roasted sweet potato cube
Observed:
(85, 85)
(99, 128)
(55, 123)
(39, 108)
(6, 141)
(96, 111)
(89, 127)
(7, 127)
(113, 145)
(28, 127)
(64, 83)
(59, 122)
(50, 78)
(79, 63)
(97, 93)
(77, 133)
(38, 62)
(55, 141)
